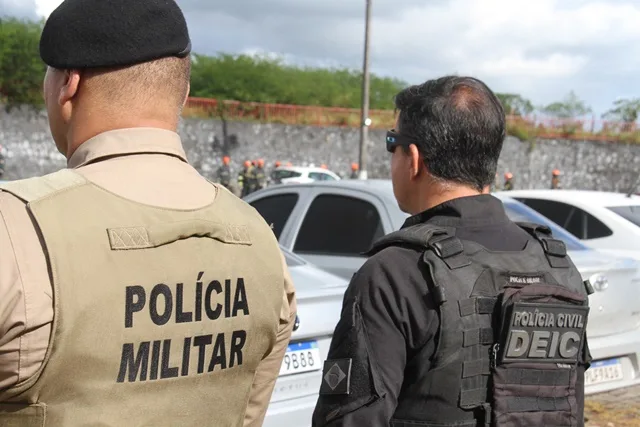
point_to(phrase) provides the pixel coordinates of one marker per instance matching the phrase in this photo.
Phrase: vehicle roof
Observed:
(597, 198)
(378, 187)
(371, 184)
(305, 169)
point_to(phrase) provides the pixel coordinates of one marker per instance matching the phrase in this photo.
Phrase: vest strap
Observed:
(32, 189)
(130, 238)
(554, 249)
(473, 398)
(438, 294)
(450, 250)
(537, 404)
(588, 287)
(477, 336)
(476, 367)
(478, 305)
(537, 377)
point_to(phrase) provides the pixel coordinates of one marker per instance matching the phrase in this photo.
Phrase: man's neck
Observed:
(80, 132)
(439, 197)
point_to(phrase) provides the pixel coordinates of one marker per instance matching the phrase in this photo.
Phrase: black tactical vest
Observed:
(512, 334)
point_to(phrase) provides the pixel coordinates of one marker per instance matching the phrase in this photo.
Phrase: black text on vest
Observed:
(542, 333)
(152, 360)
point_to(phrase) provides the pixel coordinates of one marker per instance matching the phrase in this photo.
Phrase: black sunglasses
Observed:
(394, 139)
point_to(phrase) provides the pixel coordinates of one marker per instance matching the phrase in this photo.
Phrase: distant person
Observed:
(224, 173)
(323, 166)
(354, 171)
(555, 180)
(260, 176)
(133, 292)
(496, 183)
(508, 182)
(244, 179)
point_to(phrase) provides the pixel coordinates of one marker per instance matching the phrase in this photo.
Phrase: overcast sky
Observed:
(540, 49)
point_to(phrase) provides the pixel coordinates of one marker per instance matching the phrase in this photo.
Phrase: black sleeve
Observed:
(363, 375)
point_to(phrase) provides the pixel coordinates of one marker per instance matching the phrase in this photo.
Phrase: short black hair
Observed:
(459, 126)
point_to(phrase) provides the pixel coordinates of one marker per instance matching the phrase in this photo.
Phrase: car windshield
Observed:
(630, 213)
(518, 212)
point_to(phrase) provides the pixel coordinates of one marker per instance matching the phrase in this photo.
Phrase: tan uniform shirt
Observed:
(145, 165)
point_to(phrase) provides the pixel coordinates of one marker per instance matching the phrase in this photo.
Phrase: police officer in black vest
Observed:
(462, 317)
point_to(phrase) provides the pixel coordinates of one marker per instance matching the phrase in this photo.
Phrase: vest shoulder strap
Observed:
(32, 189)
(554, 249)
(421, 235)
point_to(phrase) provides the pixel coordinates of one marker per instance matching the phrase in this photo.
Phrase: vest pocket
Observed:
(535, 362)
(22, 415)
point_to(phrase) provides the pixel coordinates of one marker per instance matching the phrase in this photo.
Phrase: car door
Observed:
(338, 227)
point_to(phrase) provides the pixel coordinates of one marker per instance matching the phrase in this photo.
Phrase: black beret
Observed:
(113, 33)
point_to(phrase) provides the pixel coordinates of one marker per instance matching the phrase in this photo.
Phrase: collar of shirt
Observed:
(123, 142)
(471, 211)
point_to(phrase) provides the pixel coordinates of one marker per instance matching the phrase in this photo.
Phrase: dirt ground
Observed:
(620, 408)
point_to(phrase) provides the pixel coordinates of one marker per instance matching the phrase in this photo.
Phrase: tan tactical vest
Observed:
(161, 316)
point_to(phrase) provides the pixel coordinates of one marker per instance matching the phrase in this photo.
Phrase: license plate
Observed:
(301, 357)
(604, 371)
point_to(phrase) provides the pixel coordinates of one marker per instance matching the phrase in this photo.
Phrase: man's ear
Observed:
(186, 97)
(70, 87)
(415, 161)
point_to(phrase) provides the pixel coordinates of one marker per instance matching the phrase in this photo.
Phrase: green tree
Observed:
(624, 110)
(21, 69)
(570, 107)
(514, 104)
(271, 80)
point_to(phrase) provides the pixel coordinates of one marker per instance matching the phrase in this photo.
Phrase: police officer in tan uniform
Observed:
(132, 291)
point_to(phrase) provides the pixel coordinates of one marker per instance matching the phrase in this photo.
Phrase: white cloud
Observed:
(45, 7)
(554, 65)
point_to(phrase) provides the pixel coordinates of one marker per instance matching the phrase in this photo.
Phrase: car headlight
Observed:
(599, 282)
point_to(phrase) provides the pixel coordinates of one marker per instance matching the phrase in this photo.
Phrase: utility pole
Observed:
(364, 120)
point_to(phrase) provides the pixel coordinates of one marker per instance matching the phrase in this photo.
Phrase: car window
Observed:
(276, 210)
(557, 212)
(316, 176)
(339, 225)
(576, 221)
(630, 213)
(520, 213)
(596, 229)
(327, 177)
(284, 174)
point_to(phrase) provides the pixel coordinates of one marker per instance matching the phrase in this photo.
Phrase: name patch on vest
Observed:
(542, 333)
(519, 279)
(153, 359)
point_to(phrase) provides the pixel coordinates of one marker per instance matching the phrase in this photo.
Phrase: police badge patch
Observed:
(336, 377)
(543, 333)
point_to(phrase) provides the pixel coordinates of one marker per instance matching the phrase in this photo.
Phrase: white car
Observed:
(609, 222)
(332, 224)
(319, 295)
(302, 175)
